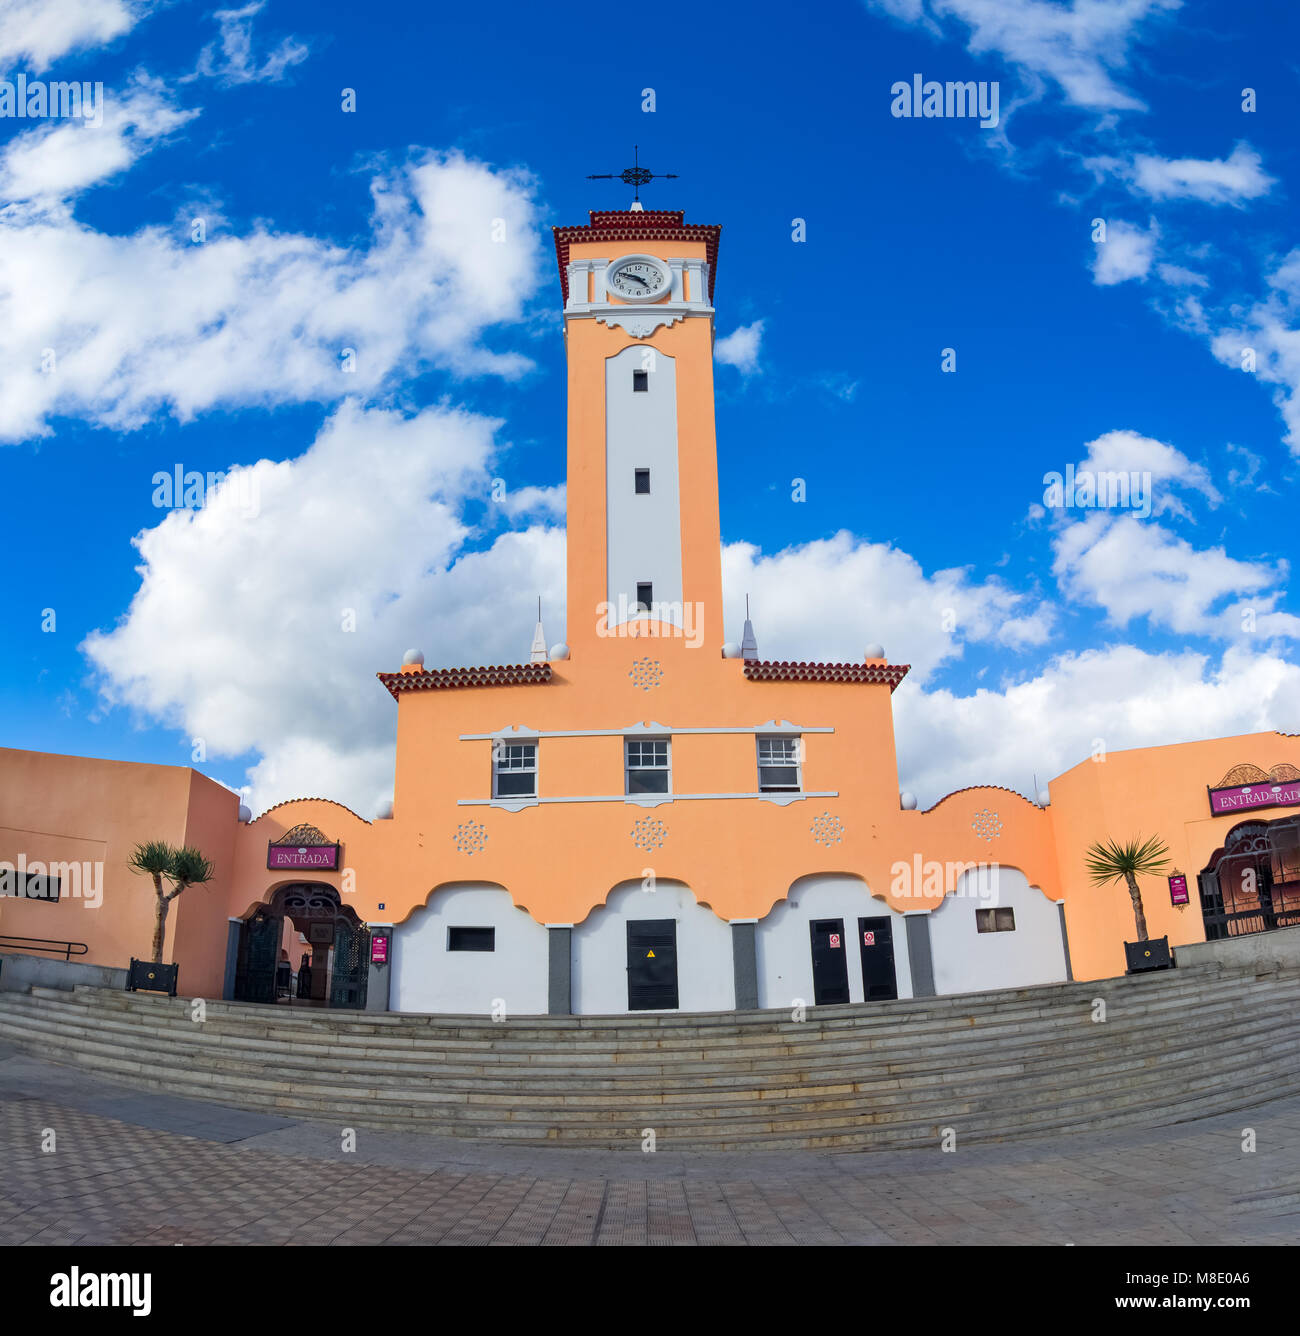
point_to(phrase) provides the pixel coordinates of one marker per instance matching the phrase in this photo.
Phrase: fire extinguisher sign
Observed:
(868, 939)
(835, 941)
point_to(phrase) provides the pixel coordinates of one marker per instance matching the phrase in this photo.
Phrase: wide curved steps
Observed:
(1014, 1063)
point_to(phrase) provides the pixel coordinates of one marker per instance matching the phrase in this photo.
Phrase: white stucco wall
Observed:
(706, 979)
(968, 961)
(643, 533)
(428, 977)
(783, 940)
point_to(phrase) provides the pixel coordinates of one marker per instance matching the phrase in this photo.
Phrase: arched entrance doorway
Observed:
(1252, 884)
(339, 948)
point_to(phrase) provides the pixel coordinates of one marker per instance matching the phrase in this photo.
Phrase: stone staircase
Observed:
(1026, 1062)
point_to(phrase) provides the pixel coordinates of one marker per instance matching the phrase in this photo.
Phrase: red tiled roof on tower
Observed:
(637, 225)
(768, 670)
(440, 679)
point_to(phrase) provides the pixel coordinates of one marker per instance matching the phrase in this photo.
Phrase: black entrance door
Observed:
(259, 953)
(830, 968)
(876, 941)
(351, 965)
(652, 964)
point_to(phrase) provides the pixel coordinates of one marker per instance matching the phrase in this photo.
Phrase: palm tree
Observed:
(183, 867)
(1127, 860)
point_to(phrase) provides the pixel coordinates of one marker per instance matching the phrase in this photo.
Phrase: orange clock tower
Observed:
(643, 530)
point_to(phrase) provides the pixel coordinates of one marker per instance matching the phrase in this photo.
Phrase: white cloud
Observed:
(1268, 332)
(1211, 180)
(1047, 723)
(230, 60)
(38, 32)
(829, 599)
(741, 347)
(1079, 46)
(148, 322)
(238, 632)
(1126, 253)
(1130, 452)
(1136, 568)
(59, 159)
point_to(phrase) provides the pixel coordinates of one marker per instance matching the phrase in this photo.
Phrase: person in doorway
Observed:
(283, 976)
(304, 976)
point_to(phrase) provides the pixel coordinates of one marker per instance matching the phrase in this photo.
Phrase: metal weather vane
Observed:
(635, 176)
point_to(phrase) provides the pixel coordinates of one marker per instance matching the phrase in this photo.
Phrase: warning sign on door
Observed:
(868, 939)
(835, 940)
(649, 955)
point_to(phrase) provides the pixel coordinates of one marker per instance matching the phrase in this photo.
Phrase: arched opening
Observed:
(332, 969)
(1252, 884)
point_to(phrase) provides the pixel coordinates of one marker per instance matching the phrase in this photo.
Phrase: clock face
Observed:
(638, 278)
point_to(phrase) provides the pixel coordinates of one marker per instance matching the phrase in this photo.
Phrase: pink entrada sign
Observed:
(322, 857)
(1247, 796)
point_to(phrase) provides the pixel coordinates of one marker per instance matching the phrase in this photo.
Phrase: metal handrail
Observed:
(54, 947)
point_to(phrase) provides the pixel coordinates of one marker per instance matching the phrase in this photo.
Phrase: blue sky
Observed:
(130, 345)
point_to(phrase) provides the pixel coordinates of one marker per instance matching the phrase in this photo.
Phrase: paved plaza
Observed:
(130, 1167)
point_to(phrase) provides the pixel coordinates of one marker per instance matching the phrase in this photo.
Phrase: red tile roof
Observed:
(767, 670)
(437, 679)
(642, 225)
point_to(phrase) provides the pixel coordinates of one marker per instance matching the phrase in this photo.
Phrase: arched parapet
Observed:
(981, 826)
(469, 949)
(292, 811)
(783, 937)
(995, 929)
(705, 970)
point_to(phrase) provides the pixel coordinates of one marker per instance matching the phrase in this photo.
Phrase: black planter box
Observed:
(1153, 954)
(146, 976)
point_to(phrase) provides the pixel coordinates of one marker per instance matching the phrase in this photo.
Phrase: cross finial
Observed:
(635, 176)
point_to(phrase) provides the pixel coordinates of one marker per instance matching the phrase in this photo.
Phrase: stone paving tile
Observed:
(164, 1170)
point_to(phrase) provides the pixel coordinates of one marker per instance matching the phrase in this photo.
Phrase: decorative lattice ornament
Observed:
(827, 829)
(646, 673)
(470, 838)
(649, 834)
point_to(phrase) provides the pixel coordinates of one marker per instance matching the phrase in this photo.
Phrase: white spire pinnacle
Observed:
(748, 645)
(538, 652)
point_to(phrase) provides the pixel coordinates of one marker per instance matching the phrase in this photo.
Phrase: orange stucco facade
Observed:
(560, 851)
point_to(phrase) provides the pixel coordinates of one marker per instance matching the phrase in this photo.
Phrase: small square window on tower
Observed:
(645, 596)
(640, 380)
(643, 482)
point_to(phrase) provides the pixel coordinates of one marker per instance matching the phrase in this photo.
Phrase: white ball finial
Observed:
(875, 652)
(560, 651)
(413, 656)
(244, 814)
(1044, 797)
(385, 812)
(731, 650)
(907, 801)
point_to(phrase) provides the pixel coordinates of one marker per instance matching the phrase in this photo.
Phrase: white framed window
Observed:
(514, 769)
(995, 920)
(779, 762)
(647, 764)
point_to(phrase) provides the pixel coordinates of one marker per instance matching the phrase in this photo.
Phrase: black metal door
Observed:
(351, 967)
(259, 953)
(652, 965)
(876, 941)
(830, 966)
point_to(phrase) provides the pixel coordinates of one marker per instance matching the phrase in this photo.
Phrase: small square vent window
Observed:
(640, 380)
(995, 920)
(643, 482)
(471, 939)
(645, 596)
